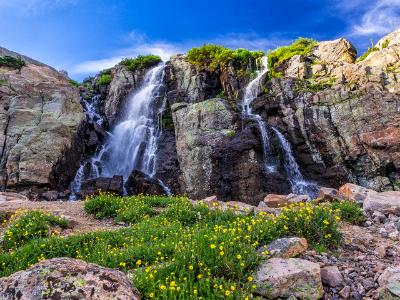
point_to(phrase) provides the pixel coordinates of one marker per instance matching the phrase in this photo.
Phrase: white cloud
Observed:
(381, 17)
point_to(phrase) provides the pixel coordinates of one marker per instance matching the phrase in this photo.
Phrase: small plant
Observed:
(104, 79)
(385, 44)
(348, 211)
(368, 52)
(301, 46)
(230, 133)
(12, 62)
(25, 226)
(141, 62)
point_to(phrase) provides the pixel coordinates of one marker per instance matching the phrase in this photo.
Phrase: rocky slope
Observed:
(40, 121)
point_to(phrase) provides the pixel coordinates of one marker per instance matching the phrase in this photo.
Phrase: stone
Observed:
(355, 192)
(390, 280)
(385, 202)
(293, 199)
(140, 183)
(340, 50)
(345, 292)
(239, 207)
(380, 251)
(40, 127)
(50, 195)
(67, 278)
(282, 278)
(274, 201)
(331, 276)
(104, 184)
(378, 217)
(285, 247)
(327, 195)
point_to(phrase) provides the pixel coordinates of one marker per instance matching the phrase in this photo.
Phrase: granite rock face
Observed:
(40, 119)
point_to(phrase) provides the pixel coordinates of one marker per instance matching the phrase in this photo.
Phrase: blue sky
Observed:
(84, 36)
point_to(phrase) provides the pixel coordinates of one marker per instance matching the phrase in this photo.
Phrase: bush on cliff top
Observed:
(302, 46)
(141, 62)
(12, 62)
(213, 57)
(181, 251)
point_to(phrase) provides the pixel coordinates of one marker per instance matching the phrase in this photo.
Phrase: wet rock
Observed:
(279, 277)
(285, 247)
(331, 276)
(140, 183)
(67, 278)
(104, 184)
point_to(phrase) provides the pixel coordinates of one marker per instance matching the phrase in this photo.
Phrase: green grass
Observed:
(12, 62)
(302, 46)
(25, 226)
(141, 62)
(104, 79)
(214, 57)
(385, 44)
(177, 250)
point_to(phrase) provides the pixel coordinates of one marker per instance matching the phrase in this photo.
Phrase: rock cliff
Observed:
(40, 121)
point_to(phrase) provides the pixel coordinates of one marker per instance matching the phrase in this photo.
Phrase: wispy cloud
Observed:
(142, 45)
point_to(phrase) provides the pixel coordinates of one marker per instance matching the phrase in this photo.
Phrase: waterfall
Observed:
(298, 184)
(132, 144)
(253, 89)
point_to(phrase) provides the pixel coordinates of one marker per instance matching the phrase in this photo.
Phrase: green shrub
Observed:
(12, 62)
(230, 133)
(25, 226)
(301, 46)
(348, 211)
(104, 79)
(213, 57)
(141, 62)
(73, 83)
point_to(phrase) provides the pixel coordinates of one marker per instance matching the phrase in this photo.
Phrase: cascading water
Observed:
(132, 144)
(298, 184)
(253, 89)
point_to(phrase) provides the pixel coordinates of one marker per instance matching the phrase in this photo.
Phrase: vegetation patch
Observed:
(12, 62)
(104, 78)
(302, 46)
(73, 83)
(385, 44)
(368, 52)
(24, 226)
(141, 62)
(214, 57)
(348, 211)
(314, 86)
(177, 250)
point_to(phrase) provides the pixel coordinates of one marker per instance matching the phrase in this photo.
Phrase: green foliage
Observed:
(214, 57)
(385, 44)
(104, 79)
(396, 183)
(25, 226)
(166, 119)
(3, 217)
(230, 133)
(313, 86)
(368, 52)
(181, 251)
(73, 83)
(141, 62)
(348, 211)
(301, 46)
(12, 62)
